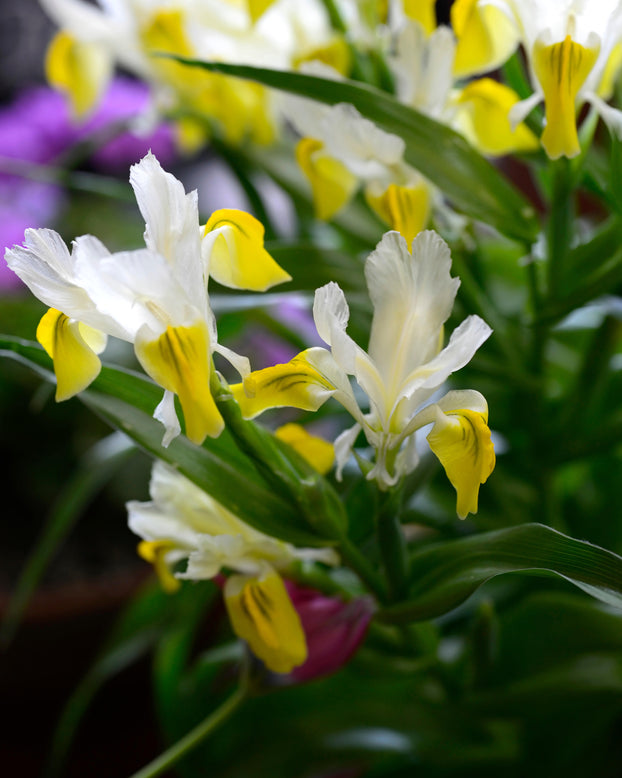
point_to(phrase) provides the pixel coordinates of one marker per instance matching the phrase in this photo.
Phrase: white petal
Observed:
(171, 223)
(412, 297)
(343, 448)
(166, 414)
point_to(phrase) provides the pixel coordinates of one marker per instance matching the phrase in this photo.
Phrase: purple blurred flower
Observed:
(334, 629)
(37, 127)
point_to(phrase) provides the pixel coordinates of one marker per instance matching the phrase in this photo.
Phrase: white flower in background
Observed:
(412, 296)
(183, 523)
(574, 52)
(94, 39)
(155, 298)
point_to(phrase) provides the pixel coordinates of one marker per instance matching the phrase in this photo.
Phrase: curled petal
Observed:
(234, 245)
(461, 440)
(80, 70)
(156, 552)
(73, 347)
(262, 614)
(483, 116)
(295, 384)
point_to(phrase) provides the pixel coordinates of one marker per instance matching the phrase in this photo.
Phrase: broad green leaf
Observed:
(444, 575)
(126, 400)
(439, 153)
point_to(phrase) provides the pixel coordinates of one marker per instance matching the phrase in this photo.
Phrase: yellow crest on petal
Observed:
(73, 347)
(154, 552)
(295, 384)
(461, 440)
(262, 614)
(332, 184)
(179, 360)
(403, 208)
(80, 70)
(238, 258)
(318, 452)
(561, 69)
(484, 106)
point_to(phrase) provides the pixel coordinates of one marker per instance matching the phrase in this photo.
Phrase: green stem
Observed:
(193, 738)
(560, 227)
(363, 568)
(392, 544)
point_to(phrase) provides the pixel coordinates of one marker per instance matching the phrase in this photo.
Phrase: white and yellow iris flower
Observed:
(412, 294)
(484, 37)
(574, 52)
(96, 38)
(340, 150)
(155, 298)
(183, 524)
(424, 69)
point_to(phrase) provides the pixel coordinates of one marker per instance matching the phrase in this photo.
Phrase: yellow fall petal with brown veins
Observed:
(295, 384)
(404, 208)
(332, 184)
(76, 363)
(262, 614)
(318, 452)
(238, 258)
(461, 441)
(561, 69)
(179, 360)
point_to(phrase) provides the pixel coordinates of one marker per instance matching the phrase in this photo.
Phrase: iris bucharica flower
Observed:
(155, 298)
(573, 52)
(183, 523)
(412, 293)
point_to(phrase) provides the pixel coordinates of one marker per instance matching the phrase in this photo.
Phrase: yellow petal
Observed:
(422, 11)
(262, 614)
(485, 105)
(257, 8)
(336, 54)
(461, 440)
(561, 69)
(318, 452)
(404, 208)
(80, 70)
(179, 360)
(295, 384)
(610, 73)
(154, 552)
(485, 37)
(332, 184)
(76, 364)
(238, 258)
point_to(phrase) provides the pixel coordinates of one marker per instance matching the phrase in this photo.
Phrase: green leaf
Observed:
(439, 153)
(99, 466)
(126, 400)
(444, 575)
(134, 634)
